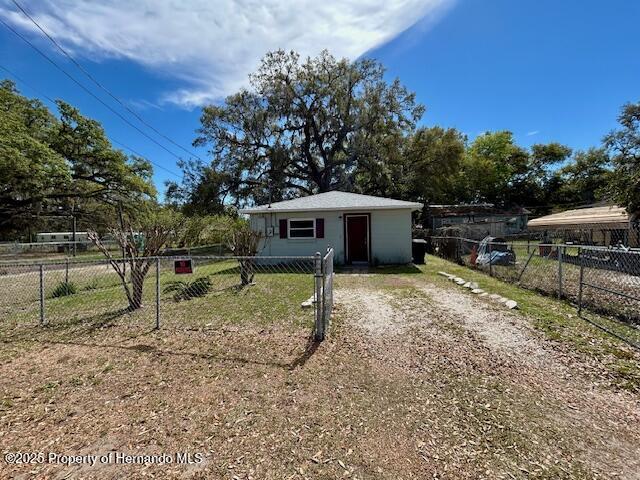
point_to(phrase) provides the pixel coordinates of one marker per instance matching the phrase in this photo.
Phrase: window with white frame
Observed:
(302, 228)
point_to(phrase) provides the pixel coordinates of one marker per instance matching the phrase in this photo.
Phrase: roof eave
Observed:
(413, 207)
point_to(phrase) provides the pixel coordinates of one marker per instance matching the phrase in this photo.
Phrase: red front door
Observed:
(357, 238)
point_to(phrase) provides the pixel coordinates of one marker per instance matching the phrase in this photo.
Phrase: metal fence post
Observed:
(580, 282)
(42, 316)
(560, 254)
(490, 260)
(157, 293)
(66, 271)
(319, 330)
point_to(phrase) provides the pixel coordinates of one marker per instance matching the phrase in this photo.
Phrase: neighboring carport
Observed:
(600, 225)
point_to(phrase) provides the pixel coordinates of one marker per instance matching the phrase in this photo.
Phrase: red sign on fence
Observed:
(181, 267)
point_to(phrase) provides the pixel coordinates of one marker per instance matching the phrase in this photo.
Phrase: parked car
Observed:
(495, 251)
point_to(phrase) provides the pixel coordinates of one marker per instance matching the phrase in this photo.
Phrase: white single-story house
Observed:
(360, 228)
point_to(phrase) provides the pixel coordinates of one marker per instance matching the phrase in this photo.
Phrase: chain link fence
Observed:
(603, 280)
(324, 292)
(50, 251)
(184, 292)
(609, 282)
(30, 251)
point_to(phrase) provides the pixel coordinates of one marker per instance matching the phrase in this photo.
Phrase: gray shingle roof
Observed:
(333, 201)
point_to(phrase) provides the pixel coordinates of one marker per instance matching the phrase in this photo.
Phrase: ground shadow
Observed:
(309, 350)
(145, 348)
(409, 268)
(303, 267)
(80, 325)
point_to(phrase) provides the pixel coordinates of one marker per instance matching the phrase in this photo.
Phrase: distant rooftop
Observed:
(334, 201)
(61, 233)
(462, 209)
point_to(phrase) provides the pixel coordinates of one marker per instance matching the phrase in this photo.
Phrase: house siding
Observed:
(390, 235)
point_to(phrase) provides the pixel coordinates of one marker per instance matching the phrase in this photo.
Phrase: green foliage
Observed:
(244, 241)
(304, 127)
(434, 157)
(30, 169)
(420, 166)
(188, 290)
(92, 285)
(202, 192)
(140, 238)
(56, 166)
(586, 179)
(322, 124)
(207, 230)
(624, 146)
(64, 289)
(492, 162)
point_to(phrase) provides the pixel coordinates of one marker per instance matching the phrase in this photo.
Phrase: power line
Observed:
(53, 102)
(124, 119)
(93, 79)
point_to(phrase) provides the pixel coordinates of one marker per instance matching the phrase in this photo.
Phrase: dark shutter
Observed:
(283, 228)
(319, 227)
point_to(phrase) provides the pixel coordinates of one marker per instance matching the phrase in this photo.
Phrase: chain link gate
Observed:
(324, 293)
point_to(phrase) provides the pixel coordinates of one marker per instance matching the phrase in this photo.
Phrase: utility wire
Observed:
(73, 79)
(93, 79)
(53, 102)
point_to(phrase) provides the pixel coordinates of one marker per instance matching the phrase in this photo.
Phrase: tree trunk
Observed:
(137, 284)
(324, 184)
(246, 272)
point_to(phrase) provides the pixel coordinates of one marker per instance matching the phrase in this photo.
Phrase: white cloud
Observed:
(212, 45)
(532, 133)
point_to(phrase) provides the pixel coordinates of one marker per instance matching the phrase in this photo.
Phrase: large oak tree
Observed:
(624, 145)
(53, 166)
(304, 126)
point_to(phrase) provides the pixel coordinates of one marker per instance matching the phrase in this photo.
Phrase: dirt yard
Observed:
(417, 379)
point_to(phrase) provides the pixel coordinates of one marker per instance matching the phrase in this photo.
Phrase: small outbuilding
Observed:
(597, 225)
(475, 220)
(362, 229)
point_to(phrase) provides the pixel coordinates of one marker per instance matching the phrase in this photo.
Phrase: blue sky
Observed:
(546, 70)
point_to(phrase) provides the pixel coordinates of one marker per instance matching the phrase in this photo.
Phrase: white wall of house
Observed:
(390, 235)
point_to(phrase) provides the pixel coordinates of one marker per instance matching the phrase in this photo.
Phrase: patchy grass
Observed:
(234, 376)
(276, 293)
(558, 321)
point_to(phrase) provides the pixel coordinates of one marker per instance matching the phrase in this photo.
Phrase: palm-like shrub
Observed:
(188, 290)
(64, 289)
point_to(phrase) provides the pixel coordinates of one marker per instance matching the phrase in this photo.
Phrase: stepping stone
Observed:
(478, 291)
(459, 281)
(483, 294)
(308, 303)
(467, 285)
(474, 285)
(511, 304)
(445, 274)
